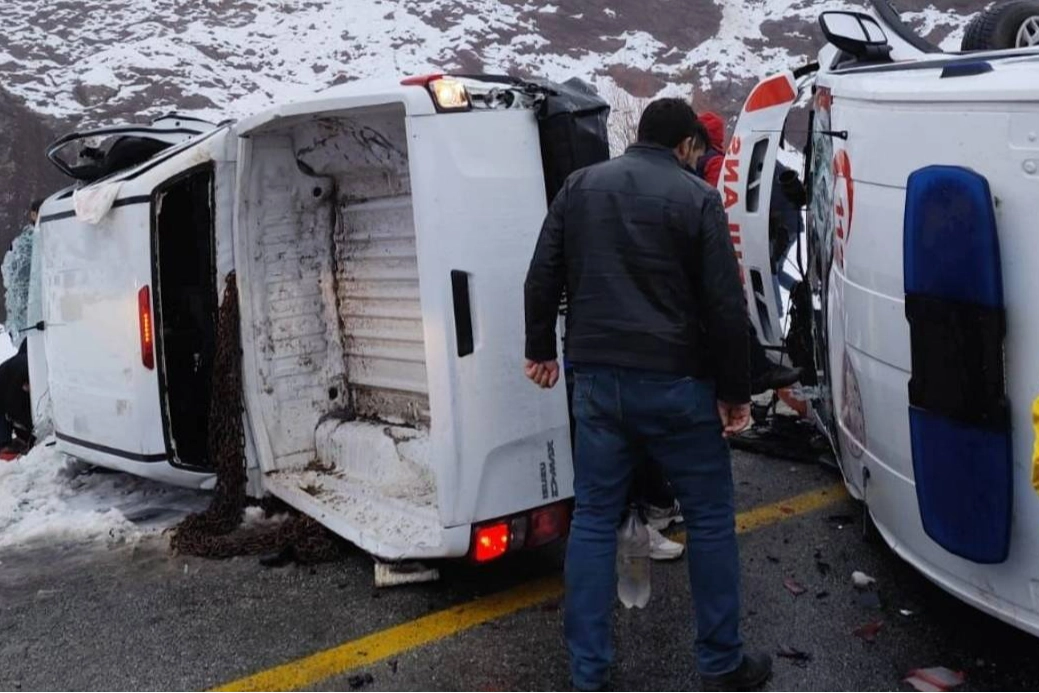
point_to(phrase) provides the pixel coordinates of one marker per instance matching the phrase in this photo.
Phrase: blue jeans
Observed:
(675, 420)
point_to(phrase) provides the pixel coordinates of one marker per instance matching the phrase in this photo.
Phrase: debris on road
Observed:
(771, 559)
(823, 567)
(359, 681)
(798, 658)
(861, 580)
(822, 595)
(935, 679)
(868, 632)
(794, 587)
(907, 612)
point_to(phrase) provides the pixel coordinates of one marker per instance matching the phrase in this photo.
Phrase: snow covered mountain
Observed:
(71, 63)
(95, 60)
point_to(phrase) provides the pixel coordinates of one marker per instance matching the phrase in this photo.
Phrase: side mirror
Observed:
(855, 33)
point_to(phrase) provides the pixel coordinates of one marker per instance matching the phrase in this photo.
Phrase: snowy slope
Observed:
(231, 57)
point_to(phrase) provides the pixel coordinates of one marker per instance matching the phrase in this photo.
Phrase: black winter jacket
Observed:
(642, 248)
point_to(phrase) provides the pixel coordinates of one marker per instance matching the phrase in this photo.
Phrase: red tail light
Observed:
(526, 530)
(548, 524)
(144, 311)
(492, 542)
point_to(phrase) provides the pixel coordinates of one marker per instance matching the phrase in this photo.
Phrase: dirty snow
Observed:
(46, 497)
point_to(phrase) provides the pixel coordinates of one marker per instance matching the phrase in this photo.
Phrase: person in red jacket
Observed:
(709, 167)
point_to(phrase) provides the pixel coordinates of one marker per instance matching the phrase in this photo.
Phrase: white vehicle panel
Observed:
(483, 219)
(368, 412)
(898, 122)
(106, 404)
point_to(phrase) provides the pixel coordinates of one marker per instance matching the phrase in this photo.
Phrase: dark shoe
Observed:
(751, 674)
(775, 378)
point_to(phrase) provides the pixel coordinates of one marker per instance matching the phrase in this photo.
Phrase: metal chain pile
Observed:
(216, 531)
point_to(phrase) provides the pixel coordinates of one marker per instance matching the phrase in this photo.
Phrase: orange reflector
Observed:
(144, 310)
(771, 92)
(491, 542)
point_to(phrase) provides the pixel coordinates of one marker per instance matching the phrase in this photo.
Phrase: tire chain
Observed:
(215, 532)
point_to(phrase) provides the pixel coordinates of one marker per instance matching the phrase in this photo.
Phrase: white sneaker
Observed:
(662, 518)
(663, 549)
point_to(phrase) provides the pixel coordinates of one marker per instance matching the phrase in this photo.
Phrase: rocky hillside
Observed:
(72, 63)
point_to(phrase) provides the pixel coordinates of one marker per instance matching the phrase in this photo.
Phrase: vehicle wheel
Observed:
(1013, 24)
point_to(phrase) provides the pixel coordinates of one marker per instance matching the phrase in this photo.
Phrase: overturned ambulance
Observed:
(379, 234)
(916, 315)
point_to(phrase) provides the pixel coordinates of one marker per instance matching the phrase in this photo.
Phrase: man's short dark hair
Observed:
(700, 134)
(35, 205)
(666, 122)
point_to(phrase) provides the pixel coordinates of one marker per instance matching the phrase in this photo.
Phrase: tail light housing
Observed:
(491, 541)
(528, 530)
(548, 524)
(147, 326)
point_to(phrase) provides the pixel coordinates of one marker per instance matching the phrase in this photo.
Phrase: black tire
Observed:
(1000, 27)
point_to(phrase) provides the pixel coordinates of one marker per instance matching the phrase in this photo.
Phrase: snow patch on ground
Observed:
(45, 497)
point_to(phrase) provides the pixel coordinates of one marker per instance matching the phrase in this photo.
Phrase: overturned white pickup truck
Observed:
(379, 234)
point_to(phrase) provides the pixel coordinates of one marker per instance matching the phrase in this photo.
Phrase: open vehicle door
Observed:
(746, 188)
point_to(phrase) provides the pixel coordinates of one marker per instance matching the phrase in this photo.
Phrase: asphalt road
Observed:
(135, 618)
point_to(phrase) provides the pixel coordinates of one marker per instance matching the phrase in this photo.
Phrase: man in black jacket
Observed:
(657, 335)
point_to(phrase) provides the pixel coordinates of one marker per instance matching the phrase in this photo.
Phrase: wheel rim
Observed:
(1028, 33)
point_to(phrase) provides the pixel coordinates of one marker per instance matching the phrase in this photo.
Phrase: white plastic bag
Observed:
(633, 576)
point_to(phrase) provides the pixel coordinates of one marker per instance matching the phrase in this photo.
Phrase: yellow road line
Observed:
(442, 624)
(772, 513)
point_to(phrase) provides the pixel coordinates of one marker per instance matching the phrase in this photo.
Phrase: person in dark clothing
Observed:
(15, 270)
(656, 333)
(15, 404)
(650, 491)
(785, 222)
(6, 436)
